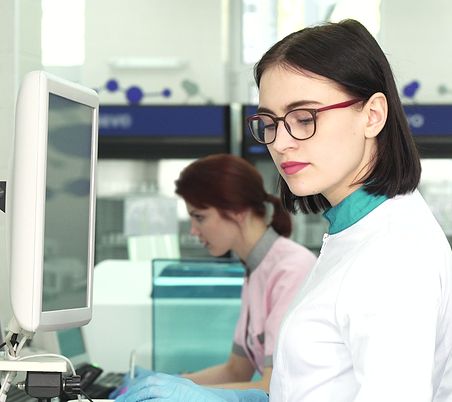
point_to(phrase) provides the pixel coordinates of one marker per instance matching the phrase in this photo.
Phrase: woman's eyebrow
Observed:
(262, 109)
(290, 106)
(302, 103)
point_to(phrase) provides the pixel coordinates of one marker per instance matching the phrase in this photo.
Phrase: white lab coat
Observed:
(373, 322)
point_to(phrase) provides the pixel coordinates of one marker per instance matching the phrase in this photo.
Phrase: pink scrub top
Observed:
(276, 269)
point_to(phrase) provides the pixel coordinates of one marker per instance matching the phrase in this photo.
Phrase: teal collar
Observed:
(351, 209)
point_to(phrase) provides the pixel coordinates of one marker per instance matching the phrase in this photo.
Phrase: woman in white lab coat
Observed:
(373, 321)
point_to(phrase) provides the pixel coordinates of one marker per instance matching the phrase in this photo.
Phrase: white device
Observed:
(67, 342)
(51, 203)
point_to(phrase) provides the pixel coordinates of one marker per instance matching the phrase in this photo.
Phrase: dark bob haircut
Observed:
(347, 54)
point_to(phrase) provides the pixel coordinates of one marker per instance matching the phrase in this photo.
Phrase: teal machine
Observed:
(195, 306)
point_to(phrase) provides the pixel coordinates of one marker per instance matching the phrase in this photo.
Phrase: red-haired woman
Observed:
(229, 210)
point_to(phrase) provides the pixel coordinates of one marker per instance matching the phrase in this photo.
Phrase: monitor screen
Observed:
(52, 204)
(67, 204)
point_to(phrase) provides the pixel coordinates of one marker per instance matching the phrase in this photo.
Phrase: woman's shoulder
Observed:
(285, 243)
(286, 253)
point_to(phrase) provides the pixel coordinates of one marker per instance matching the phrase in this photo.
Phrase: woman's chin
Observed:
(216, 253)
(301, 191)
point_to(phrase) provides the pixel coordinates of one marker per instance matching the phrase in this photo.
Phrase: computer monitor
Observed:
(52, 203)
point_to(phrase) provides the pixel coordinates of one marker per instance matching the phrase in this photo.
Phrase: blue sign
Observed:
(249, 110)
(429, 120)
(163, 121)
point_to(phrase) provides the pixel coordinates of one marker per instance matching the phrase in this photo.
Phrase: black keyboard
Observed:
(104, 385)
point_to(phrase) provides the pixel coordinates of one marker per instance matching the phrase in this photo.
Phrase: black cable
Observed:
(86, 395)
(14, 339)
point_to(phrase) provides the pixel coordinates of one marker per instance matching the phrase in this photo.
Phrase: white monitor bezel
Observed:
(27, 209)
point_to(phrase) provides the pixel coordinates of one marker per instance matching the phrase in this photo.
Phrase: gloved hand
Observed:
(166, 388)
(127, 381)
(238, 395)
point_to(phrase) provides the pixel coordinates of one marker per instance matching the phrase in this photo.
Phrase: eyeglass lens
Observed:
(300, 122)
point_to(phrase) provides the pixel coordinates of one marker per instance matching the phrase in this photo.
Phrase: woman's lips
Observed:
(293, 167)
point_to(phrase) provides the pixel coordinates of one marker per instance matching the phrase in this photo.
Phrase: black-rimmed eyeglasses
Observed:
(299, 123)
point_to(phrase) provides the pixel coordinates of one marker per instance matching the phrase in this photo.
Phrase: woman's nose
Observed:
(283, 139)
(194, 231)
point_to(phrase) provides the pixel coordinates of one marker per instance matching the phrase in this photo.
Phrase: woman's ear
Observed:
(376, 109)
(238, 217)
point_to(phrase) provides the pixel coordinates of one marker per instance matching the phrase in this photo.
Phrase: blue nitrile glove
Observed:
(239, 395)
(127, 382)
(166, 388)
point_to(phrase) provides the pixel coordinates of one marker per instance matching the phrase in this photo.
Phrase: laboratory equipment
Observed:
(195, 308)
(52, 203)
(50, 216)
